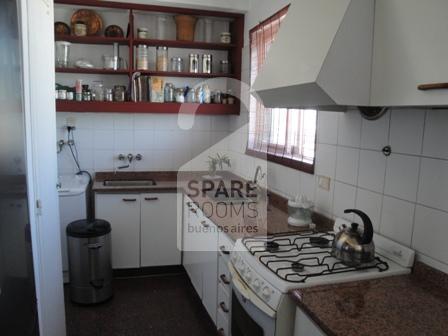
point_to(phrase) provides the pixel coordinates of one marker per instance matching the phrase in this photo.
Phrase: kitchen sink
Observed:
(129, 183)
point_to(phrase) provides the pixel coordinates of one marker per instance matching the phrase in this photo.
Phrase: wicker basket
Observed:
(186, 25)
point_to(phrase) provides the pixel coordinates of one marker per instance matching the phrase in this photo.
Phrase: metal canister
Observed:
(207, 61)
(194, 63)
(224, 67)
(169, 93)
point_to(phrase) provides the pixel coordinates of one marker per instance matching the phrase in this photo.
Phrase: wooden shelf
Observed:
(92, 39)
(184, 74)
(185, 44)
(144, 107)
(92, 71)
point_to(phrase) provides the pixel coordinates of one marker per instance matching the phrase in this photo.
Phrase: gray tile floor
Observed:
(150, 306)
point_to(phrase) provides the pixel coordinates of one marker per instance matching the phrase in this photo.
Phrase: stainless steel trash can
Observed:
(89, 256)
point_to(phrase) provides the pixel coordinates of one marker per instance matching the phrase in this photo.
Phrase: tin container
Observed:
(226, 38)
(143, 33)
(207, 63)
(119, 93)
(194, 63)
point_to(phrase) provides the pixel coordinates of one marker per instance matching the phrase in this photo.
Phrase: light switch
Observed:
(324, 183)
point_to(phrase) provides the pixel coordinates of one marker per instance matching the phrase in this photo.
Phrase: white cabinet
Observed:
(200, 241)
(144, 228)
(304, 326)
(123, 213)
(410, 48)
(158, 237)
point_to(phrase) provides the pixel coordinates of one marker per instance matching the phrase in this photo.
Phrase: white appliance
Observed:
(72, 206)
(265, 269)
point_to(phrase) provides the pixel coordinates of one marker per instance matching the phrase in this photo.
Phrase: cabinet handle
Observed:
(149, 199)
(224, 279)
(223, 250)
(205, 224)
(224, 308)
(129, 200)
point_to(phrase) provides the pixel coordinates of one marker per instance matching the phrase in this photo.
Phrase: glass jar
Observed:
(62, 53)
(86, 95)
(98, 91)
(180, 95)
(208, 30)
(207, 63)
(224, 66)
(169, 93)
(162, 59)
(161, 27)
(177, 64)
(119, 93)
(194, 63)
(142, 57)
(207, 94)
(109, 95)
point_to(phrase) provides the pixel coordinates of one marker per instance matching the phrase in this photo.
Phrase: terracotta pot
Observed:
(186, 25)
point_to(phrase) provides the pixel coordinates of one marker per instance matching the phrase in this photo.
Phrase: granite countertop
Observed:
(237, 222)
(411, 305)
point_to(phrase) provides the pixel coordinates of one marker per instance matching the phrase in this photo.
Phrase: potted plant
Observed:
(216, 162)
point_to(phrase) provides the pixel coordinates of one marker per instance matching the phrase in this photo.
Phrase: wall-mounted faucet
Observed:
(129, 158)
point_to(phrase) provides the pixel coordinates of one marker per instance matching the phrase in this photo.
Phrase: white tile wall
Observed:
(164, 146)
(405, 195)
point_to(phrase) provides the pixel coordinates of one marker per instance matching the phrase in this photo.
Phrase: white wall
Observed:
(405, 195)
(100, 138)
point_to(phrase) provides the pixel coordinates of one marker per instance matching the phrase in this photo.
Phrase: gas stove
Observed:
(271, 266)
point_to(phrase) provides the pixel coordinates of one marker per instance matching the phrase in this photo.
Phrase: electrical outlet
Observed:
(324, 183)
(70, 122)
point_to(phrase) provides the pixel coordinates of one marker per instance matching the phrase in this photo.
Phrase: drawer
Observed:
(223, 324)
(225, 245)
(224, 301)
(224, 274)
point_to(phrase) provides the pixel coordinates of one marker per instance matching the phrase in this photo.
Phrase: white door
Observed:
(122, 211)
(158, 238)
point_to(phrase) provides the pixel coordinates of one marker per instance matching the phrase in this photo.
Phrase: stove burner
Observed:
(297, 267)
(272, 246)
(319, 242)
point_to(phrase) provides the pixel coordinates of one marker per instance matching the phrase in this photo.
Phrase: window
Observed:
(284, 136)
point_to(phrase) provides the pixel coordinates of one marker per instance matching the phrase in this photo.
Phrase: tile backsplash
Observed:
(405, 194)
(100, 138)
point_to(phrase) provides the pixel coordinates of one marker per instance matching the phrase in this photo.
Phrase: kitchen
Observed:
(210, 160)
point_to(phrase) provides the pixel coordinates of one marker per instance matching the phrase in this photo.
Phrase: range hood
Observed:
(322, 57)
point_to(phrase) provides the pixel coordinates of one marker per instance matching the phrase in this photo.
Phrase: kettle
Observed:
(350, 246)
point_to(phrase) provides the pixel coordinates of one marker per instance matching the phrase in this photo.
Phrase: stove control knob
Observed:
(248, 275)
(266, 292)
(256, 285)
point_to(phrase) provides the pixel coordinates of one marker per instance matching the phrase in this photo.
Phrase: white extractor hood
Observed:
(322, 56)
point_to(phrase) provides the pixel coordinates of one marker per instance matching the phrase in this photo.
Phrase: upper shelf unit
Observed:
(131, 16)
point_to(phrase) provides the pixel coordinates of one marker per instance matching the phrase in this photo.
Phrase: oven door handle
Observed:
(248, 295)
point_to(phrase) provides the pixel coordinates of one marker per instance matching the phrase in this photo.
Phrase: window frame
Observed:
(284, 161)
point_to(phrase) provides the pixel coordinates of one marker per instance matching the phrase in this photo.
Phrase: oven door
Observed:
(250, 315)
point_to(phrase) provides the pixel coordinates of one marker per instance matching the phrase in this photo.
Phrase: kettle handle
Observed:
(367, 237)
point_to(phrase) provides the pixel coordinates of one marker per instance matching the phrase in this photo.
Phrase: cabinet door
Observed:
(123, 213)
(191, 255)
(159, 220)
(209, 267)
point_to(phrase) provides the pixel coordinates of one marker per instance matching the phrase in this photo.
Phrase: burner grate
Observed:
(303, 256)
